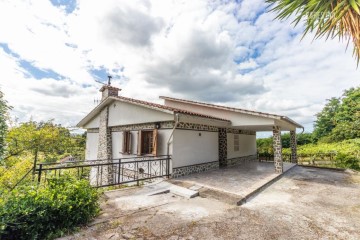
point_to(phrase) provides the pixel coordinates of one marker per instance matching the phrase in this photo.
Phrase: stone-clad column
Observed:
(222, 147)
(293, 147)
(105, 148)
(278, 161)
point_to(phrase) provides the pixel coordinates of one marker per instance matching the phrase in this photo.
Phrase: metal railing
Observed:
(109, 172)
(318, 159)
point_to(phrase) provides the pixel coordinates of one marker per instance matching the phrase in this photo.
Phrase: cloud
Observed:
(131, 26)
(227, 53)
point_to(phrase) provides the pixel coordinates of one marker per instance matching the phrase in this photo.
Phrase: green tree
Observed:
(340, 118)
(329, 18)
(301, 139)
(4, 107)
(45, 139)
(347, 117)
(325, 120)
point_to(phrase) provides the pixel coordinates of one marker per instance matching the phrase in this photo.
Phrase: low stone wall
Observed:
(186, 170)
(240, 160)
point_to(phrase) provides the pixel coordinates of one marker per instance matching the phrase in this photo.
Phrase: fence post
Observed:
(137, 173)
(119, 169)
(168, 166)
(39, 173)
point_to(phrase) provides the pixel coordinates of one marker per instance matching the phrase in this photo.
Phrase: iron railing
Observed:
(109, 172)
(318, 159)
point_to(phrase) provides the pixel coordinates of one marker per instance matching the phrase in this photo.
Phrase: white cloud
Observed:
(177, 48)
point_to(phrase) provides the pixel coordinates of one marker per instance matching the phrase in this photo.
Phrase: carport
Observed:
(244, 120)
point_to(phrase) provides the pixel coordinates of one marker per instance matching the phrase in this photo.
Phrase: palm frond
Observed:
(326, 18)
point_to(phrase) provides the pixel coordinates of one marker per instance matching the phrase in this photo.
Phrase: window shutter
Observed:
(139, 143)
(129, 143)
(124, 142)
(154, 146)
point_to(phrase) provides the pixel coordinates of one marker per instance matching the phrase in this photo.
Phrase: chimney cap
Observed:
(104, 87)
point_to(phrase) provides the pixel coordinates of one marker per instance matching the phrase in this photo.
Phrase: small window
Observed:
(147, 142)
(236, 143)
(126, 147)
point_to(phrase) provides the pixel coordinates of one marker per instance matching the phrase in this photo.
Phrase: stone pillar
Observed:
(222, 147)
(105, 148)
(293, 147)
(278, 161)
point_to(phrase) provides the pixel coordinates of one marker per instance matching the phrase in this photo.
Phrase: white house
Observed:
(198, 136)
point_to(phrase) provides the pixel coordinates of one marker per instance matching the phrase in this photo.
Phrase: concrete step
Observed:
(184, 192)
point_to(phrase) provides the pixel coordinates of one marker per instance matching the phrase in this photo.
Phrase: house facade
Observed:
(198, 136)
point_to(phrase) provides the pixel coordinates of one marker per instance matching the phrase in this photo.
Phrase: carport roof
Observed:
(237, 110)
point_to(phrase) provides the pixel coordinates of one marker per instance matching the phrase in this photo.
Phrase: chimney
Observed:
(109, 91)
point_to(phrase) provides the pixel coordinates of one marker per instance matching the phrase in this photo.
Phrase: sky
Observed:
(53, 54)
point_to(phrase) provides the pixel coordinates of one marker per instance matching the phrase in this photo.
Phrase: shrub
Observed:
(347, 161)
(47, 211)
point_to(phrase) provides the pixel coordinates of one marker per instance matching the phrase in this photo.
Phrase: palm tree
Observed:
(329, 18)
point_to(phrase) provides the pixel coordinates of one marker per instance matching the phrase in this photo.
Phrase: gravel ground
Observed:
(306, 203)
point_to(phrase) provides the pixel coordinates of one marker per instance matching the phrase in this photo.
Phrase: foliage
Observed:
(47, 211)
(347, 152)
(4, 107)
(45, 139)
(301, 139)
(265, 145)
(9, 176)
(336, 18)
(340, 118)
(325, 120)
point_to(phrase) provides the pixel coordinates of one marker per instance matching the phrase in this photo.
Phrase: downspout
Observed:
(172, 132)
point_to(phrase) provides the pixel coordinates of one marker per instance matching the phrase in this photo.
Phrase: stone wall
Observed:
(143, 126)
(222, 147)
(293, 147)
(278, 161)
(105, 147)
(240, 160)
(183, 171)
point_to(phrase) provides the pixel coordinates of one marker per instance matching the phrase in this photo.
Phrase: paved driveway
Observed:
(306, 203)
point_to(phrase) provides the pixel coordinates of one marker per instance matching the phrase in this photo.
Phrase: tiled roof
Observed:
(159, 106)
(239, 110)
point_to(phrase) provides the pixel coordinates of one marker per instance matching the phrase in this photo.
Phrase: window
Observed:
(126, 147)
(236, 143)
(147, 142)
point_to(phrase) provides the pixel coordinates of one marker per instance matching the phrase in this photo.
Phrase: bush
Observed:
(346, 153)
(347, 161)
(47, 211)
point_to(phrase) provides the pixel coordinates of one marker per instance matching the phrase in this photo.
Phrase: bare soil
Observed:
(306, 203)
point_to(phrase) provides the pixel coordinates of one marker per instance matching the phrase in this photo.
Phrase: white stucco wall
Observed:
(247, 145)
(121, 113)
(94, 123)
(237, 119)
(189, 148)
(91, 146)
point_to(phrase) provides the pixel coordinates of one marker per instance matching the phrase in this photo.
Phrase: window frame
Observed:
(153, 142)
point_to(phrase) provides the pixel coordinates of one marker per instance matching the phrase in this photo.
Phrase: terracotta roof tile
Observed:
(234, 109)
(219, 106)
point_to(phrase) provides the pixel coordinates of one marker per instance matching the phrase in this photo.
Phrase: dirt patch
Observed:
(305, 204)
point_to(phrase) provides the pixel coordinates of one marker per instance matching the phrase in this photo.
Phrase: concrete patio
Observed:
(233, 184)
